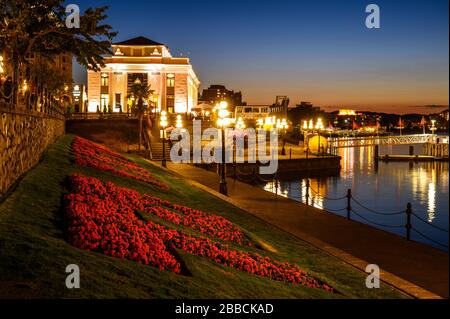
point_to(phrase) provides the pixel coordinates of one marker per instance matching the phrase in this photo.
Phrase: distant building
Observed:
(346, 112)
(255, 112)
(445, 115)
(62, 63)
(173, 80)
(304, 111)
(79, 98)
(217, 93)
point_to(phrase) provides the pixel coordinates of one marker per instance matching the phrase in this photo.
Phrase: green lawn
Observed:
(34, 252)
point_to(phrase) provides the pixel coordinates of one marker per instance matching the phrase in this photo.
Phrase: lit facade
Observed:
(173, 80)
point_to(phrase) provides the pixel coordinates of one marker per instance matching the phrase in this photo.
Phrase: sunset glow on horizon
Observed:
(317, 52)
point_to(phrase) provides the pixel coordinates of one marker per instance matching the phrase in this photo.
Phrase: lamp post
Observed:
(305, 133)
(179, 122)
(163, 123)
(240, 125)
(308, 126)
(222, 122)
(282, 126)
(319, 127)
(433, 128)
(259, 123)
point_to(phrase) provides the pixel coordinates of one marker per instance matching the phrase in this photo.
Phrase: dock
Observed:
(415, 158)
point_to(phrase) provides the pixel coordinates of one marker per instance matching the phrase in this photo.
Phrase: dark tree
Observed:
(38, 27)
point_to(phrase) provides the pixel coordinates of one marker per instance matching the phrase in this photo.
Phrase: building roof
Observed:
(140, 41)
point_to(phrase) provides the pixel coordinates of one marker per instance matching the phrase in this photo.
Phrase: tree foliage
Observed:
(47, 76)
(140, 92)
(38, 28)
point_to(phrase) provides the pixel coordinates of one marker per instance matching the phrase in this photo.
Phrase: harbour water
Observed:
(382, 191)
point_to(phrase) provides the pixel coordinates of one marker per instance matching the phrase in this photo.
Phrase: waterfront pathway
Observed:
(420, 270)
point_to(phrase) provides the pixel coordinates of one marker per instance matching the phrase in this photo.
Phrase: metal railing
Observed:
(100, 116)
(350, 205)
(46, 110)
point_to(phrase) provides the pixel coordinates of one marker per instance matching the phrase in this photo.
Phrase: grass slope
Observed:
(34, 253)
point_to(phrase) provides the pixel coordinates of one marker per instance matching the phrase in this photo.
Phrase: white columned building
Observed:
(173, 80)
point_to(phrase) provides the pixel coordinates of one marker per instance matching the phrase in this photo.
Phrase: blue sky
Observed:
(318, 51)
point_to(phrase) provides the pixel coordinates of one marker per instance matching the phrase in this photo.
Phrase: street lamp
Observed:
(240, 125)
(282, 126)
(163, 123)
(223, 121)
(308, 126)
(319, 127)
(260, 123)
(433, 127)
(179, 122)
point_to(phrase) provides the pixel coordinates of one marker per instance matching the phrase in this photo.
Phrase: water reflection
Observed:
(384, 187)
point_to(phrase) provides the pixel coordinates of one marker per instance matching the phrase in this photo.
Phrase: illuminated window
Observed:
(170, 80)
(105, 79)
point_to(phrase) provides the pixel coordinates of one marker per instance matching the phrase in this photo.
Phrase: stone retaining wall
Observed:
(24, 136)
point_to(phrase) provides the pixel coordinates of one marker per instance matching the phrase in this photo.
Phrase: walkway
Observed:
(404, 264)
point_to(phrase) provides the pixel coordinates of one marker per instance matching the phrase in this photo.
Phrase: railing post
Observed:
(276, 184)
(307, 191)
(408, 221)
(349, 204)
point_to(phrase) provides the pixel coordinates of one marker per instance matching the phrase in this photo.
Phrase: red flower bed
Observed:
(208, 224)
(102, 218)
(96, 156)
(105, 223)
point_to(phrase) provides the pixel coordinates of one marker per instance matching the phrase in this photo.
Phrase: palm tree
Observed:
(139, 93)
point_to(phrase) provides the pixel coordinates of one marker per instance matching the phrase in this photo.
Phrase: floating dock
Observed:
(416, 158)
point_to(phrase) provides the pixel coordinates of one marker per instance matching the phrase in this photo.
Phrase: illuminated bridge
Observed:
(380, 140)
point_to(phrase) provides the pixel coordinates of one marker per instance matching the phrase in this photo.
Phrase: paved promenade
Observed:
(415, 268)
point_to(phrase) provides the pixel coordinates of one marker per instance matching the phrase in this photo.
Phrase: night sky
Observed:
(318, 51)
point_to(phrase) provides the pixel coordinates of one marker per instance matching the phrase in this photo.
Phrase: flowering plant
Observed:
(92, 155)
(102, 218)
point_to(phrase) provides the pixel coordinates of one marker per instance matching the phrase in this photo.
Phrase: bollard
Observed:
(307, 191)
(408, 221)
(377, 152)
(411, 150)
(290, 153)
(349, 206)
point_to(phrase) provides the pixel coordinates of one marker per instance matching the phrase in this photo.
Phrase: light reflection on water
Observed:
(383, 187)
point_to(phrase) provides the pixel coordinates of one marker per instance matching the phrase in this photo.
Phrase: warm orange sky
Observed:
(317, 51)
